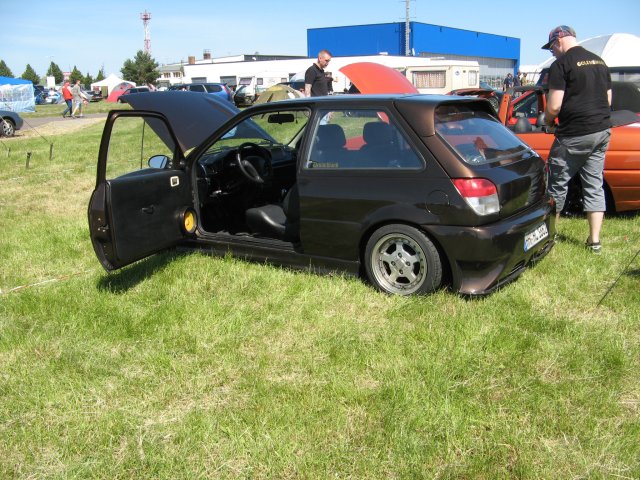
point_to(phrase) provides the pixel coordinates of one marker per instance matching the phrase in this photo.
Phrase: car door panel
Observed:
(139, 213)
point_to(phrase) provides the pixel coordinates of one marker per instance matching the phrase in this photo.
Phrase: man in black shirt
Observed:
(580, 98)
(315, 83)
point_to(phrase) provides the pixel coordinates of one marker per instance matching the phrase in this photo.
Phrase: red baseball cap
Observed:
(558, 32)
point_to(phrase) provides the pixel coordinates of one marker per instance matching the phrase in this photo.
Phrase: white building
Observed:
(430, 75)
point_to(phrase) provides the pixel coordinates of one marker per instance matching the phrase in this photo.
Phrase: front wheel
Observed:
(8, 130)
(401, 260)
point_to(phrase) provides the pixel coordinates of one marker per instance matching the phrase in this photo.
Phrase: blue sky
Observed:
(91, 36)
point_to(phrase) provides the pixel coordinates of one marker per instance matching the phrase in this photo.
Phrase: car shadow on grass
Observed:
(128, 277)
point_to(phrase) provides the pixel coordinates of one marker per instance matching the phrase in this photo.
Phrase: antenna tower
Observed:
(407, 29)
(146, 16)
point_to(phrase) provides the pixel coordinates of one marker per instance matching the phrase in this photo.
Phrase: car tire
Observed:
(8, 128)
(421, 268)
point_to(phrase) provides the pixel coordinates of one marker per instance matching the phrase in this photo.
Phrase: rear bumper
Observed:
(484, 258)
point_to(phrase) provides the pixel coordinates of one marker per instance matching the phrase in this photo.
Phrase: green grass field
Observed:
(190, 366)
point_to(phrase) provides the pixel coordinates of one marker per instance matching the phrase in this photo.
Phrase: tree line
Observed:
(142, 69)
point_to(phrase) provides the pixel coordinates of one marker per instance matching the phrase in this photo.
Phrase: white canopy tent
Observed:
(617, 50)
(110, 82)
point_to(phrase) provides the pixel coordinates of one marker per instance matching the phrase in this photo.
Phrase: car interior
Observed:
(247, 178)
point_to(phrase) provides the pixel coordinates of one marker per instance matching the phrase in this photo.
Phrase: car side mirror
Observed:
(159, 161)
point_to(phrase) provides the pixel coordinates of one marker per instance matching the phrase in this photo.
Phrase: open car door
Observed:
(142, 202)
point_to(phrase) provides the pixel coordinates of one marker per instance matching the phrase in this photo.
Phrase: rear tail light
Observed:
(479, 193)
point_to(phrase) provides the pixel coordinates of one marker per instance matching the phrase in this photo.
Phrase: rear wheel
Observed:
(574, 204)
(401, 260)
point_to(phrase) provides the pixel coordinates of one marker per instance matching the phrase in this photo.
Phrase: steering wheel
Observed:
(244, 156)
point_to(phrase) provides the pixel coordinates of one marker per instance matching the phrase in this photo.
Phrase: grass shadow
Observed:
(123, 280)
(633, 273)
(561, 238)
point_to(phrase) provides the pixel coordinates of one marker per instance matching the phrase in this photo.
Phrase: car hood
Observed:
(193, 116)
(371, 78)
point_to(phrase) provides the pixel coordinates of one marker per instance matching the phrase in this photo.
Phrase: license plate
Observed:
(535, 236)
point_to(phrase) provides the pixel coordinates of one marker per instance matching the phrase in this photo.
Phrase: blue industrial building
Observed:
(496, 54)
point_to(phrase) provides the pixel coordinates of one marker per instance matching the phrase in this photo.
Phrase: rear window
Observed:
(477, 136)
(213, 88)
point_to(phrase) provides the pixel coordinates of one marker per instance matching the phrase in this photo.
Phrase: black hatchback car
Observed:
(413, 192)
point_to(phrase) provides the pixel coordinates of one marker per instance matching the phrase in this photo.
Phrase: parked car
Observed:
(622, 160)
(217, 89)
(421, 192)
(484, 91)
(130, 91)
(247, 95)
(39, 94)
(93, 95)
(531, 101)
(53, 97)
(10, 122)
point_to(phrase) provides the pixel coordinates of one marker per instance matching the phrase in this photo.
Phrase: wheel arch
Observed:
(447, 267)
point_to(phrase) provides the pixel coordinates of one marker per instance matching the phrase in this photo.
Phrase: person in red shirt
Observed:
(68, 98)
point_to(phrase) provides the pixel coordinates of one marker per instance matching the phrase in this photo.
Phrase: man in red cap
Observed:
(580, 98)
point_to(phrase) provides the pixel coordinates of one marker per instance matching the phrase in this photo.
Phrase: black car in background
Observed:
(417, 192)
(216, 89)
(130, 91)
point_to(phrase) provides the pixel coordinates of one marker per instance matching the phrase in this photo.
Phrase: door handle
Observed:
(148, 209)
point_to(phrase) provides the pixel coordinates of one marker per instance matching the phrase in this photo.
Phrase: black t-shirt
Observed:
(314, 76)
(585, 79)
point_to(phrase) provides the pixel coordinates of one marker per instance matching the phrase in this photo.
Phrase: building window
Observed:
(435, 79)
(473, 77)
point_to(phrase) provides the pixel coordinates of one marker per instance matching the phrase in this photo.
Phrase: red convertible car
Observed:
(522, 114)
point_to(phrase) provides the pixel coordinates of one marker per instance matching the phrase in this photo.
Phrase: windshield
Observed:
(476, 135)
(272, 128)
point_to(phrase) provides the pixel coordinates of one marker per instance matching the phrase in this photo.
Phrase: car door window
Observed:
(527, 107)
(134, 142)
(360, 139)
(197, 88)
(276, 128)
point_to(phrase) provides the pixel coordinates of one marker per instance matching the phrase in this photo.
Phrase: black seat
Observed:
(523, 125)
(376, 135)
(379, 149)
(277, 221)
(329, 145)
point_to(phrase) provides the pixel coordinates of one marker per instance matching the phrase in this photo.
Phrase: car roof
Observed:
(194, 116)
(417, 108)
